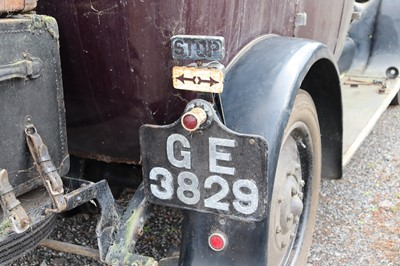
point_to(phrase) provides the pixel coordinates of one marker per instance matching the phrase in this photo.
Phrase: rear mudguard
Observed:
(260, 87)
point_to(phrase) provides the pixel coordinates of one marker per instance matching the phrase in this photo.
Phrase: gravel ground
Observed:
(358, 218)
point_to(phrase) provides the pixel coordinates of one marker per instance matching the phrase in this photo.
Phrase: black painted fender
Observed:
(260, 87)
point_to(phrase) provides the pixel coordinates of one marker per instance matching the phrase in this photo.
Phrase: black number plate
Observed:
(211, 170)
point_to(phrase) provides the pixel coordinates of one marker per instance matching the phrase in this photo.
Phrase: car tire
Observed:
(296, 187)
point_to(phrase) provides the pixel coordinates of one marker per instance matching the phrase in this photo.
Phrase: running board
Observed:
(365, 99)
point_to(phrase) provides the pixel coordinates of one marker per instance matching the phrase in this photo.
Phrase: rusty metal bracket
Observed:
(86, 191)
(116, 236)
(11, 205)
(45, 166)
(132, 222)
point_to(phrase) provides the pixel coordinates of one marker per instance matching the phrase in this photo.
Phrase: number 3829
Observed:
(188, 190)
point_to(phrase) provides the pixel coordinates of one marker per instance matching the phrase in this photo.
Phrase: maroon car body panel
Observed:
(117, 58)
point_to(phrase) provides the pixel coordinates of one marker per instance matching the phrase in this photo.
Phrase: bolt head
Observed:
(294, 192)
(283, 245)
(290, 217)
(278, 229)
(139, 232)
(301, 195)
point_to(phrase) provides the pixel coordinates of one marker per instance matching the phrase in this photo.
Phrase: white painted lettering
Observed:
(221, 156)
(165, 189)
(185, 162)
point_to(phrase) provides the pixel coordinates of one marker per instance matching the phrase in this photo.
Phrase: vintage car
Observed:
(231, 110)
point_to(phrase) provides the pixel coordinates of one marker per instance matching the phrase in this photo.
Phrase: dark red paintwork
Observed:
(116, 58)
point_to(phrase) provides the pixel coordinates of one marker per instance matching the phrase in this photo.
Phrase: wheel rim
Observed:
(291, 196)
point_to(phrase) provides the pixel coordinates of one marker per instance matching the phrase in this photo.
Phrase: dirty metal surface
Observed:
(212, 169)
(196, 48)
(85, 191)
(37, 97)
(14, 244)
(129, 231)
(12, 209)
(46, 168)
(35, 204)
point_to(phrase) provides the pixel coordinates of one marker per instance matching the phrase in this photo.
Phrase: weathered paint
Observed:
(198, 79)
(117, 58)
(129, 231)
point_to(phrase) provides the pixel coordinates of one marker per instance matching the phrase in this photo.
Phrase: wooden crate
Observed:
(7, 6)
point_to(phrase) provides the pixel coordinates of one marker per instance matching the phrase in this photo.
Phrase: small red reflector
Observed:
(217, 241)
(193, 119)
(190, 122)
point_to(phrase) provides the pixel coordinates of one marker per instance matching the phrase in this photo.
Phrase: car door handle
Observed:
(28, 68)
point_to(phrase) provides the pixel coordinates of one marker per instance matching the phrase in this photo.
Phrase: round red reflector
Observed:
(217, 241)
(190, 122)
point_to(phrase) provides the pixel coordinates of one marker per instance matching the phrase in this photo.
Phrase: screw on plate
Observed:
(278, 230)
(302, 183)
(252, 141)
